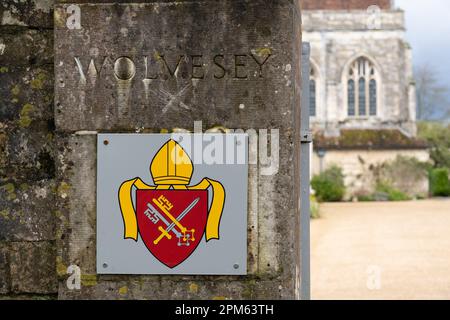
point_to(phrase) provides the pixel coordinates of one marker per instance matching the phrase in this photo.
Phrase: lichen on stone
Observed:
(157, 56)
(49, 137)
(193, 288)
(63, 189)
(4, 214)
(25, 118)
(59, 19)
(10, 191)
(61, 268)
(263, 51)
(123, 290)
(57, 214)
(38, 82)
(15, 90)
(88, 280)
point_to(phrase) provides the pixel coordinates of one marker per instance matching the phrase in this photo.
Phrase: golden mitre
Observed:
(171, 165)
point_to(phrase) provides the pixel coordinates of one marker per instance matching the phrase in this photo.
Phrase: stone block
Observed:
(76, 185)
(5, 285)
(28, 154)
(175, 288)
(27, 210)
(23, 47)
(32, 267)
(226, 63)
(26, 94)
(29, 13)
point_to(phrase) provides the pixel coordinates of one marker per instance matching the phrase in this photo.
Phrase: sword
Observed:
(185, 212)
(164, 220)
(165, 233)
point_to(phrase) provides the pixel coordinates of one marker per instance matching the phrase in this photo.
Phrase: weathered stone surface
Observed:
(219, 68)
(77, 198)
(28, 152)
(23, 47)
(153, 288)
(32, 267)
(27, 170)
(234, 92)
(26, 105)
(31, 13)
(50, 296)
(27, 211)
(5, 285)
(26, 94)
(344, 4)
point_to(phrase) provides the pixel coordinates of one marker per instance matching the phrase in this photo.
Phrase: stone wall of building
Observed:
(344, 4)
(357, 168)
(27, 153)
(340, 37)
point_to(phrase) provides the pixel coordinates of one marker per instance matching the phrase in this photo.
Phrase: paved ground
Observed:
(397, 250)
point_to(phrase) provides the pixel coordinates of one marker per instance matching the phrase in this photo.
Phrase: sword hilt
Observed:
(163, 234)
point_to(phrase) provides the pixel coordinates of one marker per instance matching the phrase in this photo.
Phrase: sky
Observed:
(428, 32)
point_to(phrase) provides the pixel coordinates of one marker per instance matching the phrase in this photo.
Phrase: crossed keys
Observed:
(185, 236)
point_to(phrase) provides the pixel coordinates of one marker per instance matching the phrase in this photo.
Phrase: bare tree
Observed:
(432, 97)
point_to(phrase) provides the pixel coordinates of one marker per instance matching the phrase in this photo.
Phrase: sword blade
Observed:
(183, 214)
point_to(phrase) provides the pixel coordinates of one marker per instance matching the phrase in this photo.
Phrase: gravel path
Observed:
(396, 250)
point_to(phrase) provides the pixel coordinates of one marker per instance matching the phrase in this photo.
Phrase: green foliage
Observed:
(407, 175)
(329, 185)
(365, 198)
(391, 193)
(438, 137)
(314, 207)
(363, 195)
(439, 182)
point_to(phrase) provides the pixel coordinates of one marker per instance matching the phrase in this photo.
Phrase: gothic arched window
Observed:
(312, 93)
(362, 89)
(351, 97)
(373, 97)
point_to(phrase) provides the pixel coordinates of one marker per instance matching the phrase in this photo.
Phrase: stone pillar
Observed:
(160, 65)
(27, 170)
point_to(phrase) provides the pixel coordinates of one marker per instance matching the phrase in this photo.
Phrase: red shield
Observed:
(172, 222)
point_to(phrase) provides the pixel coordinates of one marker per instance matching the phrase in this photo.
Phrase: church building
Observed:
(362, 89)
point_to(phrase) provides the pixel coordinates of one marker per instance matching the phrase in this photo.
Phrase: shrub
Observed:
(438, 137)
(405, 174)
(314, 208)
(365, 198)
(439, 183)
(363, 195)
(391, 193)
(397, 195)
(329, 185)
